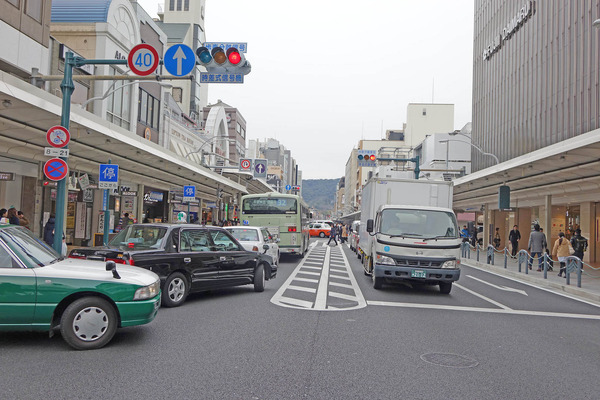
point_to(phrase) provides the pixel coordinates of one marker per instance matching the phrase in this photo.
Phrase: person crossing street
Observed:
(332, 235)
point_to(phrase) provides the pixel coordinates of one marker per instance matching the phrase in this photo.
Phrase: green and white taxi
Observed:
(86, 300)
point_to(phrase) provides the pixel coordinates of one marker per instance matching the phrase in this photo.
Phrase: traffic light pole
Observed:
(67, 87)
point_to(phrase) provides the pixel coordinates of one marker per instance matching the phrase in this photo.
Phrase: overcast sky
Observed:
(327, 73)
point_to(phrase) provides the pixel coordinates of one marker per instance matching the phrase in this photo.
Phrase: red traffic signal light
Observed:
(233, 56)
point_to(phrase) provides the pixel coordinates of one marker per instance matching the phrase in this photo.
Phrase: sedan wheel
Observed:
(88, 323)
(175, 291)
(321, 234)
(259, 279)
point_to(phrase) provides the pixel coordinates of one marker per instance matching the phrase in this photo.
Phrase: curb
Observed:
(572, 290)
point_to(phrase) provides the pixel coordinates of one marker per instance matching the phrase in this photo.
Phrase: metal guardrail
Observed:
(572, 265)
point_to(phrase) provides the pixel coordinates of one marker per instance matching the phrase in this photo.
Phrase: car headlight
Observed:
(147, 292)
(385, 260)
(450, 264)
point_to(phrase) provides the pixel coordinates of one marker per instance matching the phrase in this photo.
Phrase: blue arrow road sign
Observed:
(180, 60)
(288, 187)
(260, 168)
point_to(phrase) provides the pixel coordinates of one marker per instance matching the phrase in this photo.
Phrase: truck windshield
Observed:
(426, 224)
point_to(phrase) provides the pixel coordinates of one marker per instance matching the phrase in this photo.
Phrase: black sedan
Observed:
(186, 257)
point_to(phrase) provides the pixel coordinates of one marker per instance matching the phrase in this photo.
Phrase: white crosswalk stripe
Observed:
(322, 293)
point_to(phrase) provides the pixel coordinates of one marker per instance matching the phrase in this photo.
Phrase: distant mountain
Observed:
(319, 193)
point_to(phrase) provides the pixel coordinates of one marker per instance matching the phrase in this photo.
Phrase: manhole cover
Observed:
(449, 360)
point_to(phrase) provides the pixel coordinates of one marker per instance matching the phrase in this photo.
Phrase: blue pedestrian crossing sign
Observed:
(180, 60)
(108, 176)
(189, 194)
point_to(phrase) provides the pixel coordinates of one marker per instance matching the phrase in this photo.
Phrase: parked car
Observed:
(187, 258)
(320, 229)
(257, 239)
(353, 236)
(86, 300)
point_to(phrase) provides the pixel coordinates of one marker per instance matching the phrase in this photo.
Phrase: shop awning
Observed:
(568, 170)
(26, 113)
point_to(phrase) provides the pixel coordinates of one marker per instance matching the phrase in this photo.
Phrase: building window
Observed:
(178, 5)
(149, 108)
(118, 104)
(33, 8)
(186, 5)
(238, 128)
(424, 111)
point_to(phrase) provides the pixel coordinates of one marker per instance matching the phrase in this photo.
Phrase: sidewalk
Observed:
(590, 278)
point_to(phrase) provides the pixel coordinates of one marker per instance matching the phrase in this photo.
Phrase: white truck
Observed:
(408, 232)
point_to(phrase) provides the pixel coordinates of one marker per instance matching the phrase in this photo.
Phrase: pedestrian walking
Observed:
(497, 238)
(579, 243)
(464, 234)
(514, 237)
(49, 230)
(23, 221)
(561, 250)
(344, 233)
(13, 218)
(537, 244)
(332, 234)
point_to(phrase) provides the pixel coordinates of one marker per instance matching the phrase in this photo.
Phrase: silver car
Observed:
(254, 238)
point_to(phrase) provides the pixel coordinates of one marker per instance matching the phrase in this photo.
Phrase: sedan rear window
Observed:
(139, 237)
(244, 235)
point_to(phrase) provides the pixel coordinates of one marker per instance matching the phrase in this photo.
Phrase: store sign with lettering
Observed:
(518, 20)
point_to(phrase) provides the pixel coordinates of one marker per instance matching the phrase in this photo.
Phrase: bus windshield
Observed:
(269, 205)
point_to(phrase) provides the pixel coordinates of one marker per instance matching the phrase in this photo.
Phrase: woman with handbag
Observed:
(561, 249)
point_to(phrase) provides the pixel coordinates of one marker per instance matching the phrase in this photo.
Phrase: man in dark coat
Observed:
(514, 237)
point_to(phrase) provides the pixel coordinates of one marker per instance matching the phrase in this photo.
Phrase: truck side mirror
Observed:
(369, 225)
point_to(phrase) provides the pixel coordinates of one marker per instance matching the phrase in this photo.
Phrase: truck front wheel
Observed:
(445, 287)
(377, 282)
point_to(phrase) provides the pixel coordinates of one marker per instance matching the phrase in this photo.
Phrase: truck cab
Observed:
(419, 244)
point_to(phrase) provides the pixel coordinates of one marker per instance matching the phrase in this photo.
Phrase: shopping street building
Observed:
(536, 106)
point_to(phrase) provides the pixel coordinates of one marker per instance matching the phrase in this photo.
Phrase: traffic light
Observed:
(367, 157)
(219, 60)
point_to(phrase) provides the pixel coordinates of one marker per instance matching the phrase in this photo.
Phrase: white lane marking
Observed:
(505, 288)
(534, 286)
(315, 268)
(296, 302)
(342, 296)
(340, 277)
(302, 289)
(482, 297)
(309, 273)
(341, 285)
(484, 310)
(321, 300)
(341, 271)
(306, 280)
(359, 296)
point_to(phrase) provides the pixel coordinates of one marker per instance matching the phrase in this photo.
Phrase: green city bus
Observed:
(285, 216)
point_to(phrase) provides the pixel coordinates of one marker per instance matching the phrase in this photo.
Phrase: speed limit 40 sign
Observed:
(143, 59)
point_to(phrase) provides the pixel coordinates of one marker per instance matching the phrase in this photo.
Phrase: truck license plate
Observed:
(417, 273)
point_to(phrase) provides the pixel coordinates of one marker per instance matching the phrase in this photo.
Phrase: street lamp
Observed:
(111, 91)
(213, 139)
(472, 145)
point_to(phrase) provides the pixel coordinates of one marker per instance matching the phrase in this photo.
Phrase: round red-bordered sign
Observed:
(143, 59)
(56, 169)
(245, 164)
(58, 136)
